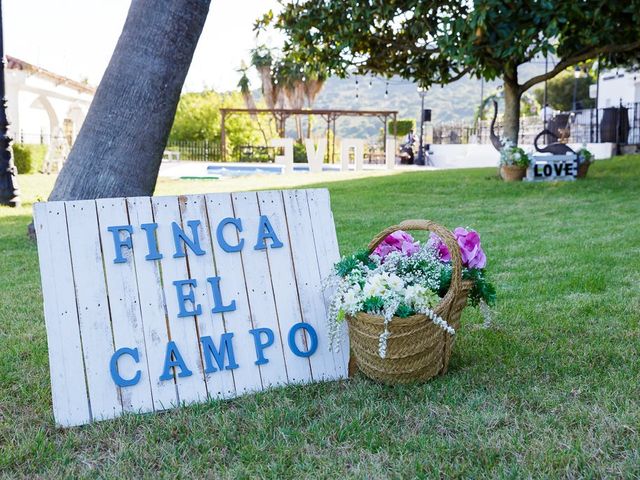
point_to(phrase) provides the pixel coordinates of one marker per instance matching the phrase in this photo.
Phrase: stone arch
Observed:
(74, 117)
(44, 103)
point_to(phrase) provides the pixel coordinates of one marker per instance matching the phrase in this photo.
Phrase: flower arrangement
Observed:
(404, 277)
(585, 156)
(513, 155)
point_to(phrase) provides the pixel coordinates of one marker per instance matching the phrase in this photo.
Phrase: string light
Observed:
(357, 92)
(386, 90)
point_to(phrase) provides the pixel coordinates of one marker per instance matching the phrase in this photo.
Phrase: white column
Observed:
(390, 153)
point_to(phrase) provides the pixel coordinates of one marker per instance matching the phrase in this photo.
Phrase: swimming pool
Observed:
(237, 170)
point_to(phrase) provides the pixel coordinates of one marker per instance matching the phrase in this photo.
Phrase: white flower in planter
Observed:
(352, 300)
(380, 284)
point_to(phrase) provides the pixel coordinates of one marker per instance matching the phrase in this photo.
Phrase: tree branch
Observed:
(560, 66)
(459, 75)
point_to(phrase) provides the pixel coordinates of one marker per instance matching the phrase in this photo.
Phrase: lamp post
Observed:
(576, 75)
(422, 92)
(9, 192)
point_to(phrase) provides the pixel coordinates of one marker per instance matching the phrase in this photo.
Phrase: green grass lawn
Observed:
(551, 390)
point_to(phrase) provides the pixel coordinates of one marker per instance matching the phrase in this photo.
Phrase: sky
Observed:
(76, 38)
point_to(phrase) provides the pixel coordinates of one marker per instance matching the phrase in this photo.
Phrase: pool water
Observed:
(240, 170)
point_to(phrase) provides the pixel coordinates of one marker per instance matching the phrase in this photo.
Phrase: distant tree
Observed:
(262, 60)
(119, 148)
(287, 83)
(560, 91)
(313, 84)
(247, 95)
(291, 79)
(440, 41)
(401, 127)
(198, 118)
(245, 89)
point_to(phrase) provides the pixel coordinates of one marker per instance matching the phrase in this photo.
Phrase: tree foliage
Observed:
(561, 88)
(198, 118)
(285, 84)
(438, 41)
(401, 127)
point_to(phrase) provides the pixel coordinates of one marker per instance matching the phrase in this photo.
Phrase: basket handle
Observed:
(448, 239)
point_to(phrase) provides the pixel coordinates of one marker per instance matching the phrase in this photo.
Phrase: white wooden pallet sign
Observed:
(553, 168)
(155, 302)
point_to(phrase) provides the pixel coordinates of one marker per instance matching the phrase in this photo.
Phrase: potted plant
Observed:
(585, 159)
(402, 299)
(513, 163)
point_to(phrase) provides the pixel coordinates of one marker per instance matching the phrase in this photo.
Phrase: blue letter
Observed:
(182, 297)
(313, 339)
(178, 234)
(222, 242)
(174, 353)
(265, 230)
(208, 349)
(218, 307)
(150, 229)
(261, 346)
(121, 382)
(119, 243)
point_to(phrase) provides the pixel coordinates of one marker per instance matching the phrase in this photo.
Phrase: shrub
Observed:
(404, 126)
(299, 153)
(28, 158)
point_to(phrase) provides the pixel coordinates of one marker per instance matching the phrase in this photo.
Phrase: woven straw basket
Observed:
(417, 349)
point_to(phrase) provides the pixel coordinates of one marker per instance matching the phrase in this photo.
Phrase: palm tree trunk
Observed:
(119, 148)
(250, 103)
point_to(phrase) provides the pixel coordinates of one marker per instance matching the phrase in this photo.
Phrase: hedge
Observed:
(28, 158)
(405, 125)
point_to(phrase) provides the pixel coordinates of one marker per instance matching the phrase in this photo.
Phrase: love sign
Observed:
(553, 168)
(151, 303)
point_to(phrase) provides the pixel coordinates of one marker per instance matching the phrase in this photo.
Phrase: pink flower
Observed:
(469, 241)
(398, 241)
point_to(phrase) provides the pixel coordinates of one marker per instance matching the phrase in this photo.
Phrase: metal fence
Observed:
(197, 151)
(42, 138)
(212, 152)
(619, 124)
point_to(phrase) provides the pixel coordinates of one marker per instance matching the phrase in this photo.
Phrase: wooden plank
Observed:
(327, 254)
(183, 331)
(152, 304)
(284, 286)
(66, 365)
(260, 289)
(201, 267)
(308, 279)
(230, 267)
(93, 307)
(124, 307)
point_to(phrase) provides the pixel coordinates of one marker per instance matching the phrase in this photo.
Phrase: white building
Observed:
(617, 86)
(41, 103)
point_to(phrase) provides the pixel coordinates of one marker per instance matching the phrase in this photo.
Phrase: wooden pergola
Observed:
(330, 116)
